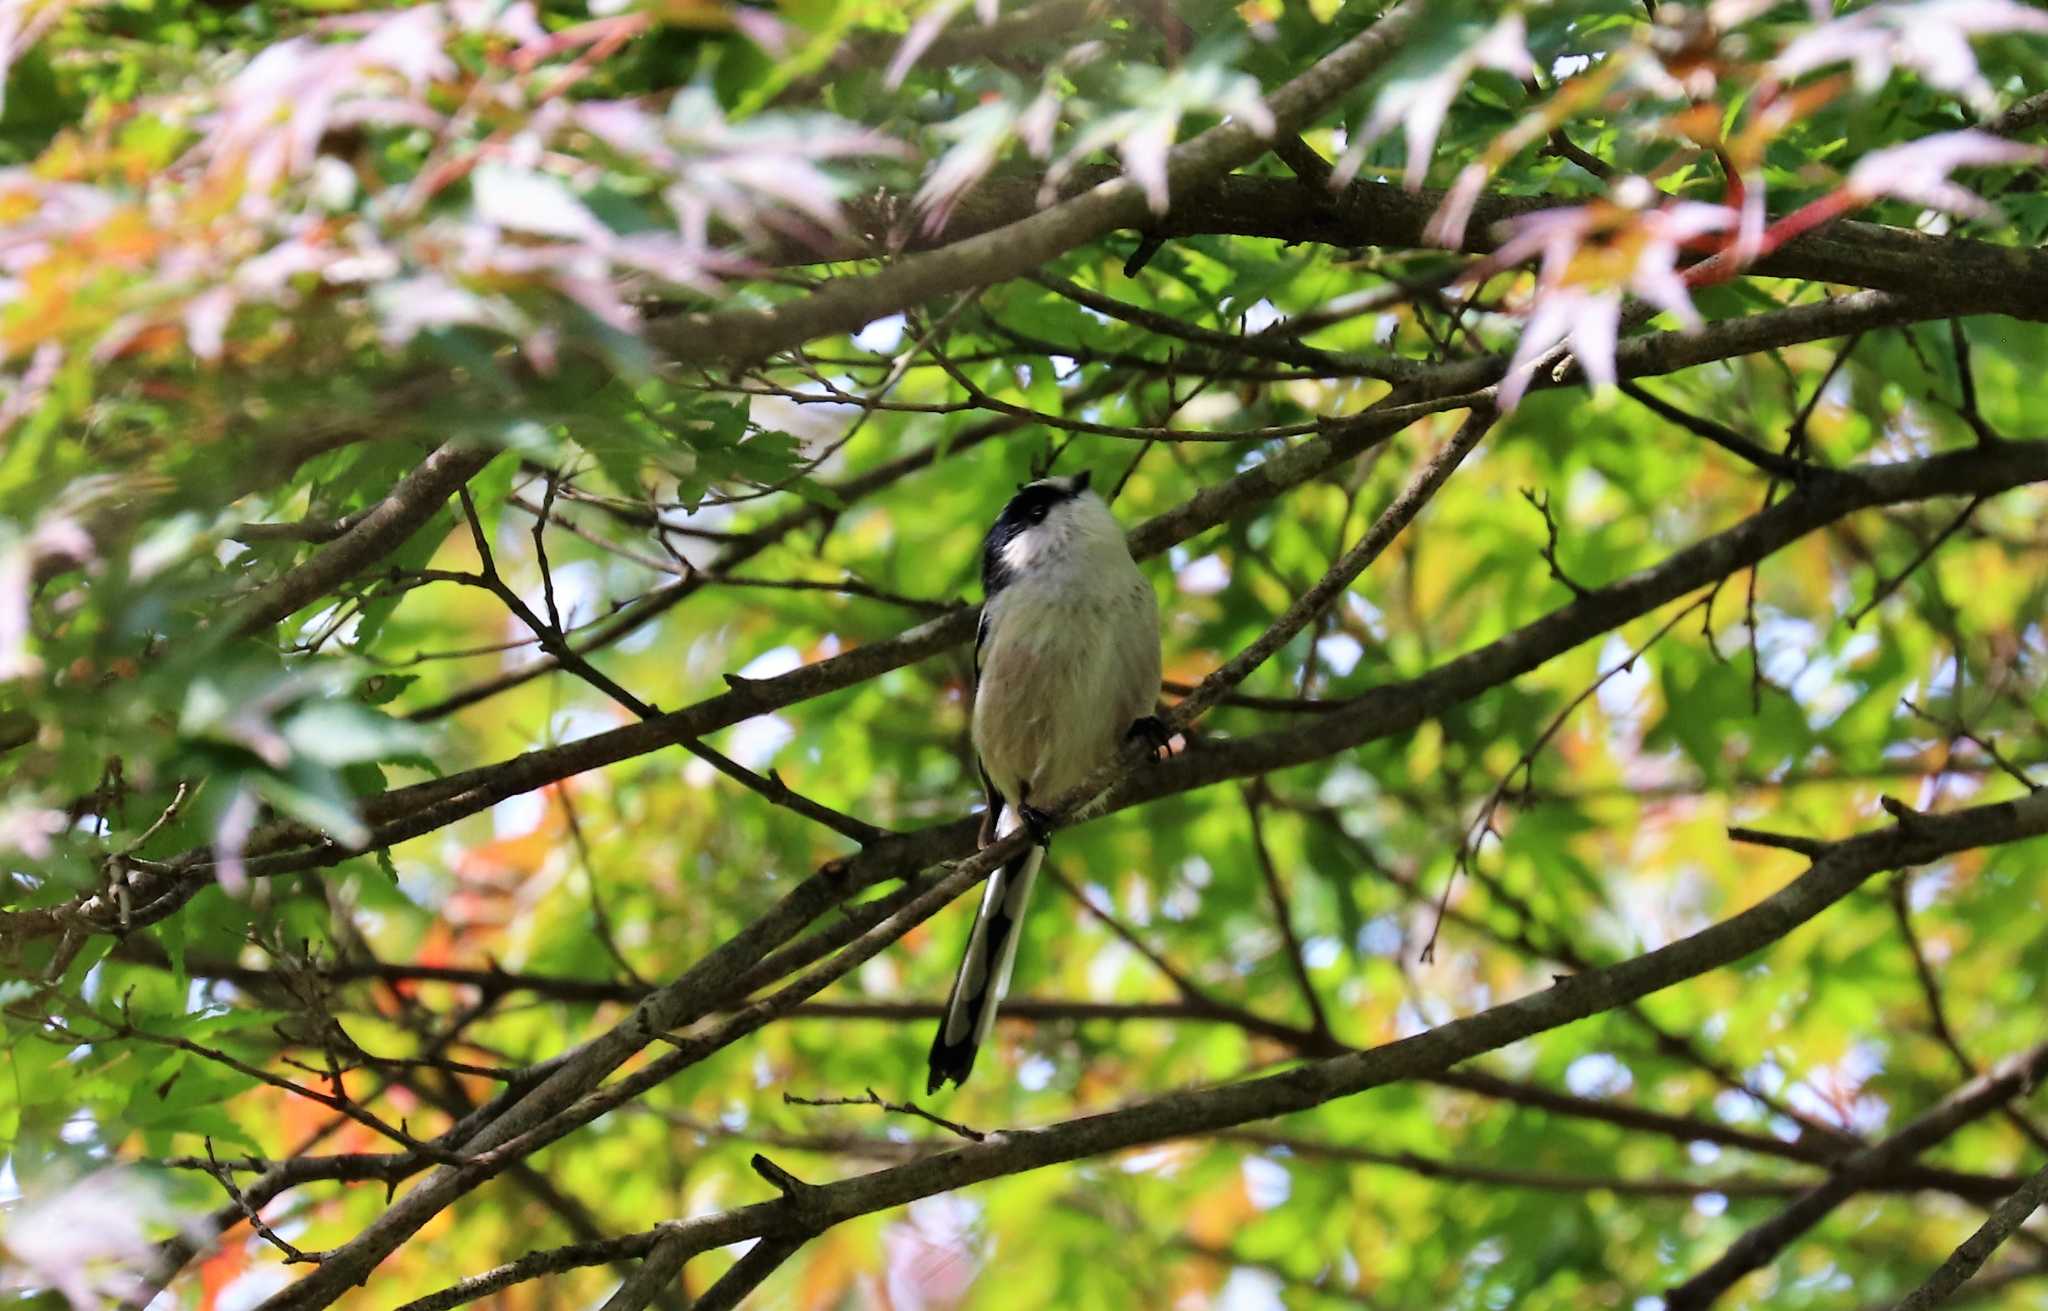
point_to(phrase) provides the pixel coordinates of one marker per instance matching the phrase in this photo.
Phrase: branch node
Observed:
(807, 1213)
(875, 1099)
(1807, 847)
(1908, 818)
(784, 1182)
(1541, 503)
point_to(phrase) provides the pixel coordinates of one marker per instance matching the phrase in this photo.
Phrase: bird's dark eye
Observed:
(1038, 514)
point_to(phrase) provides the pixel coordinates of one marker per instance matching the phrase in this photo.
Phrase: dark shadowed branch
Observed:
(1840, 868)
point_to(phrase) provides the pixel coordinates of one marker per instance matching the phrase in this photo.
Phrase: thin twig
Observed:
(1756, 837)
(552, 641)
(1721, 435)
(1483, 823)
(983, 400)
(600, 919)
(551, 638)
(894, 1108)
(1959, 731)
(1549, 551)
(1189, 990)
(224, 1176)
(1886, 587)
(1297, 961)
(1763, 1242)
(1390, 368)
(1937, 1009)
(1562, 147)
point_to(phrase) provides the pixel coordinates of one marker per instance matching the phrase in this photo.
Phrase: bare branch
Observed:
(732, 1287)
(656, 1273)
(1754, 1249)
(1887, 586)
(1385, 710)
(1969, 1258)
(1808, 847)
(535, 1265)
(1975, 276)
(1719, 434)
(2020, 116)
(737, 549)
(953, 1127)
(1429, 477)
(1959, 732)
(1483, 823)
(1840, 871)
(1388, 368)
(1937, 1011)
(415, 500)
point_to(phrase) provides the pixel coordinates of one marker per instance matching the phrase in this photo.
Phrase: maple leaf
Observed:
(1420, 101)
(1930, 38)
(1592, 256)
(1918, 171)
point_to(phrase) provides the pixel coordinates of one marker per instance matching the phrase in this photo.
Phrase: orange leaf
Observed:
(216, 1272)
(1217, 1215)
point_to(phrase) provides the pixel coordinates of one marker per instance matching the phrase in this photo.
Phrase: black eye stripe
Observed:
(1032, 504)
(1027, 509)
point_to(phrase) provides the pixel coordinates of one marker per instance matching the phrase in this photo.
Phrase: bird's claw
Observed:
(1152, 730)
(1038, 822)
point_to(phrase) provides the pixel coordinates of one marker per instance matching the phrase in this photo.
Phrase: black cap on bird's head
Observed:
(1026, 510)
(1034, 500)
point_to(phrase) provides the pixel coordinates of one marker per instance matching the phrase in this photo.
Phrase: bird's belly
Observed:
(1051, 706)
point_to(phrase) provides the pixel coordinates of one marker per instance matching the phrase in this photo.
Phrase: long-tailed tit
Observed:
(1066, 667)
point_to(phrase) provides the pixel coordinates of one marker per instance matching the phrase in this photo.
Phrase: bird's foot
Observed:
(1038, 822)
(1152, 730)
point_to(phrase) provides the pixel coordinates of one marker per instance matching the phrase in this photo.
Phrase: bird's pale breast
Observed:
(1062, 695)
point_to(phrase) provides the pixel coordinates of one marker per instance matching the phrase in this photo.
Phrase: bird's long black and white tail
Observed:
(985, 968)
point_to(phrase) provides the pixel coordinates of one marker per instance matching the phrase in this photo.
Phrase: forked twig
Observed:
(892, 1108)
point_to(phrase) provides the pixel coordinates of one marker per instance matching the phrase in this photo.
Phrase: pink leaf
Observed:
(919, 39)
(1918, 170)
(1446, 227)
(1144, 151)
(1930, 38)
(1420, 103)
(206, 321)
(1549, 324)
(1586, 309)
(230, 837)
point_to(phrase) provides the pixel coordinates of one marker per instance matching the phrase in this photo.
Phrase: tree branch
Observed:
(1399, 706)
(1719, 434)
(847, 304)
(1937, 1011)
(1386, 710)
(415, 500)
(1838, 872)
(1980, 1096)
(1983, 276)
(1967, 1259)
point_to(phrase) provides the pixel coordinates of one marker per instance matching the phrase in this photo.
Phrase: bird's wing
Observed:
(980, 640)
(992, 798)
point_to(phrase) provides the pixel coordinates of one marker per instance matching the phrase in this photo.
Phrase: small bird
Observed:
(1066, 668)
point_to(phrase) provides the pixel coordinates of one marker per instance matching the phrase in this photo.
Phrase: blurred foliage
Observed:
(257, 258)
